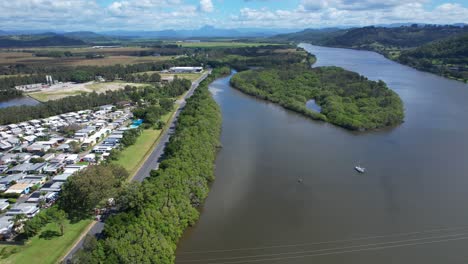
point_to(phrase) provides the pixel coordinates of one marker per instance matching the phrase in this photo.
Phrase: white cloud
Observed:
(314, 5)
(206, 6)
(183, 14)
(324, 13)
(71, 15)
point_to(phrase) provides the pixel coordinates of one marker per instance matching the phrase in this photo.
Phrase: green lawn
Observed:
(46, 96)
(133, 156)
(76, 89)
(189, 76)
(44, 249)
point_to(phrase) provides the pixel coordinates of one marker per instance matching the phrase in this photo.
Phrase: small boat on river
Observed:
(360, 169)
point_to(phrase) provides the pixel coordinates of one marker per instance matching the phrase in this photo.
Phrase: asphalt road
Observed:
(151, 163)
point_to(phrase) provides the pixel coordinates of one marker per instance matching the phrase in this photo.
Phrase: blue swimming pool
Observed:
(136, 123)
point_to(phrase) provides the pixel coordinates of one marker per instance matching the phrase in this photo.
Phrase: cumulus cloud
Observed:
(89, 15)
(314, 5)
(163, 14)
(323, 13)
(206, 6)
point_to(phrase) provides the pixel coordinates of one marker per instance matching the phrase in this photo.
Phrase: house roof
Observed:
(55, 187)
(28, 167)
(6, 223)
(62, 177)
(12, 177)
(22, 208)
(18, 188)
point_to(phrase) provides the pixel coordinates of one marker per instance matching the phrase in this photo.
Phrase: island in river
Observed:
(346, 98)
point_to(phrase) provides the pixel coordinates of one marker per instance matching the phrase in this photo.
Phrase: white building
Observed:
(185, 69)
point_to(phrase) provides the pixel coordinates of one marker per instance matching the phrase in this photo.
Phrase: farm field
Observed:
(28, 58)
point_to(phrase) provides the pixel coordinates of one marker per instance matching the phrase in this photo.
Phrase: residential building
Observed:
(24, 208)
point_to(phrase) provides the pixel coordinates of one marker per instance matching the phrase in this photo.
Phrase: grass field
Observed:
(221, 44)
(76, 89)
(45, 248)
(12, 75)
(132, 157)
(189, 76)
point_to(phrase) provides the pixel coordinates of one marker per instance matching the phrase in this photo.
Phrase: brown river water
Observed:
(286, 190)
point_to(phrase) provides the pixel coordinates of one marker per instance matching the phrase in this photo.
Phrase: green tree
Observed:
(58, 217)
(75, 146)
(86, 190)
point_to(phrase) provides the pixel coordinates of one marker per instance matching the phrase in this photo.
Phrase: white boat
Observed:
(360, 169)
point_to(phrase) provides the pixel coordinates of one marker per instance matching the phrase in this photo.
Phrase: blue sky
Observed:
(100, 15)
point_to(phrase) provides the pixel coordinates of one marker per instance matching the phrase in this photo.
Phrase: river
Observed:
(286, 191)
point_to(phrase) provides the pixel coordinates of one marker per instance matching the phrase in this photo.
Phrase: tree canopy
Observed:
(347, 99)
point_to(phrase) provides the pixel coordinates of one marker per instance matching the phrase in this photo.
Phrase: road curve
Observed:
(151, 163)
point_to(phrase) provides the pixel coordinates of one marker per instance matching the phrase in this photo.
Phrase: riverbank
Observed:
(171, 194)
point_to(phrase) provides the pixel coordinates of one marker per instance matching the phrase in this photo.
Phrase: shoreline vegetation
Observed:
(154, 214)
(347, 99)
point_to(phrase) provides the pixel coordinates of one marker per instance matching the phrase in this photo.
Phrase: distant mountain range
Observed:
(204, 32)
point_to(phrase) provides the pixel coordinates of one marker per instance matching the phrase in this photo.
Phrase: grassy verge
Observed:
(47, 247)
(132, 157)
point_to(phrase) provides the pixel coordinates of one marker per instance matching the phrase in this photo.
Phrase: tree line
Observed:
(30, 74)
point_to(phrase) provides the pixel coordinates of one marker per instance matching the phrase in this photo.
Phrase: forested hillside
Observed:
(434, 48)
(447, 57)
(316, 36)
(347, 99)
(56, 40)
(400, 37)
